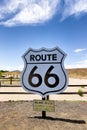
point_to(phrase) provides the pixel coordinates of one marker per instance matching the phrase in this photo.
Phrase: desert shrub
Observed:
(80, 92)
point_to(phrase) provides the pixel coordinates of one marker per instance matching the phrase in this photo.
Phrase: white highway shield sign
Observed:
(44, 71)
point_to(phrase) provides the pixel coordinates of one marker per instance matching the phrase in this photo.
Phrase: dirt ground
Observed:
(19, 115)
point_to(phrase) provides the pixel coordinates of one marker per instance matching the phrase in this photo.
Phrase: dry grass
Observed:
(77, 73)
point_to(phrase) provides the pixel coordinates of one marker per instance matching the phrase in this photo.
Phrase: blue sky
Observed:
(34, 24)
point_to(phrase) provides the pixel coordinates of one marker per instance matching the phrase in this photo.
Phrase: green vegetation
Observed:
(80, 92)
(1, 72)
(82, 86)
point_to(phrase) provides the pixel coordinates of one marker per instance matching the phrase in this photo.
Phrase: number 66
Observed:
(46, 78)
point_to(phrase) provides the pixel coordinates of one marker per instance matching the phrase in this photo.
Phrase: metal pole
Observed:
(47, 97)
(44, 112)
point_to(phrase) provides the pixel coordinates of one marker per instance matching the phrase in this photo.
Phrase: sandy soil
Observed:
(68, 115)
(72, 97)
(77, 81)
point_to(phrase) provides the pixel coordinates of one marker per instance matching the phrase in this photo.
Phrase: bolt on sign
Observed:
(44, 71)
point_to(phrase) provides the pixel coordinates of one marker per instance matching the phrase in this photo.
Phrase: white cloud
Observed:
(11, 68)
(16, 12)
(27, 11)
(74, 7)
(20, 67)
(80, 64)
(80, 50)
(6, 68)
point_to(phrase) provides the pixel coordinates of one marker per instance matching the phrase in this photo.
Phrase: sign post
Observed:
(44, 112)
(44, 72)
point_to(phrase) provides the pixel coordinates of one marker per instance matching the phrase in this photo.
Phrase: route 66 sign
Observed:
(44, 71)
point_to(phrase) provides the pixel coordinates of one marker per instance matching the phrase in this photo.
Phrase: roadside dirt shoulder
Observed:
(20, 116)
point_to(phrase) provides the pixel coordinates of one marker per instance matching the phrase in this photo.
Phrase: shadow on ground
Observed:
(60, 119)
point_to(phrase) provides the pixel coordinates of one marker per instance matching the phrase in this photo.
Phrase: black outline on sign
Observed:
(61, 64)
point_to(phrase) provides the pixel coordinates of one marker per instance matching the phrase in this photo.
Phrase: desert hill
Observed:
(72, 73)
(77, 73)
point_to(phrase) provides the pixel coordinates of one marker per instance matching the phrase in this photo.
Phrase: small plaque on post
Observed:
(44, 105)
